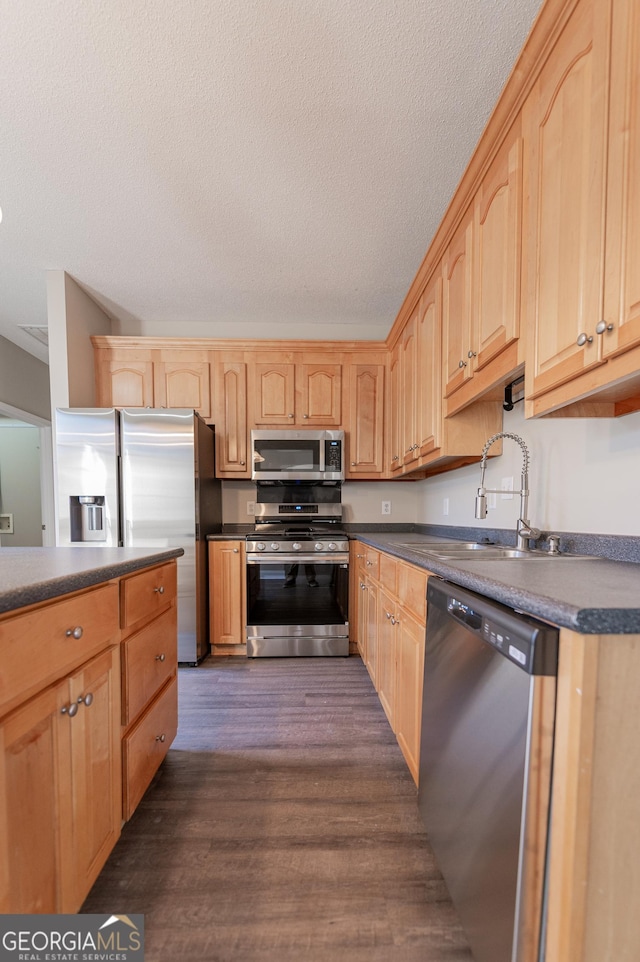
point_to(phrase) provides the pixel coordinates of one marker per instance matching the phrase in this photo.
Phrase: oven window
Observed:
(297, 594)
(281, 455)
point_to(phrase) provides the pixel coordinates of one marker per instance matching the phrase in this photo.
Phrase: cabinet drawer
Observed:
(412, 590)
(149, 658)
(147, 593)
(372, 563)
(388, 573)
(146, 745)
(41, 645)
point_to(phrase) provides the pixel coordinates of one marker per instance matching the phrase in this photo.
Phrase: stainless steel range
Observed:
(297, 573)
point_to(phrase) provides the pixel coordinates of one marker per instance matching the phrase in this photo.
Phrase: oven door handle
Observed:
(307, 559)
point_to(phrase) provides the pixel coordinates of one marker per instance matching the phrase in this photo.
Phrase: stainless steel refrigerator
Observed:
(143, 478)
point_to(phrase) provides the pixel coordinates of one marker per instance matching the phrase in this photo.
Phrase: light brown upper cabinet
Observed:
(395, 462)
(429, 369)
(457, 307)
(410, 447)
(365, 419)
(124, 379)
(230, 417)
(297, 393)
(581, 122)
(183, 383)
(492, 355)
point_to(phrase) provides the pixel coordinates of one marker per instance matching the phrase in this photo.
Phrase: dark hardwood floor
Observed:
(282, 826)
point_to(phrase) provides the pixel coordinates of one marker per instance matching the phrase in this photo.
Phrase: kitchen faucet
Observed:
(524, 531)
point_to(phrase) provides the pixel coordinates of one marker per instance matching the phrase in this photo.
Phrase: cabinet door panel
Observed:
(429, 368)
(622, 286)
(125, 384)
(497, 254)
(227, 593)
(183, 384)
(366, 409)
(408, 391)
(386, 677)
(564, 121)
(29, 817)
(321, 395)
(395, 460)
(409, 678)
(275, 394)
(95, 776)
(149, 657)
(231, 419)
(457, 307)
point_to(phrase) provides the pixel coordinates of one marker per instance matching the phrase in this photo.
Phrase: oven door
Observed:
(297, 606)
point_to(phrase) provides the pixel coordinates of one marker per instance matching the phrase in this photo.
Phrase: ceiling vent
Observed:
(40, 333)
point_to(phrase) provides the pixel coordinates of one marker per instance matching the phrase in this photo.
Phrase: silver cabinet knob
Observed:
(236, 550)
(161, 738)
(583, 339)
(86, 699)
(602, 326)
(159, 590)
(472, 353)
(160, 657)
(289, 415)
(388, 614)
(305, 415)
(462, 363)
(70, 710)
(396, 457)
(242, 464)
(74, 632)
(353, 464)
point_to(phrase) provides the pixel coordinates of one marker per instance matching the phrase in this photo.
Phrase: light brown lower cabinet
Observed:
(60, 782)
(390, 611)
(65, 706)
(227, 598)
(149, 667)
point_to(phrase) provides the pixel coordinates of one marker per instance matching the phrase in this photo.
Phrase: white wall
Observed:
(24, 381)
(20, 483)
(584, 476)
(361, 501)
(72, 317)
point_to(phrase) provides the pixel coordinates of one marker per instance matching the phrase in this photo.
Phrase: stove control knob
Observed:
(261, 546)
(319, 546)
(333, 546)
(296, 546)
(274, 546)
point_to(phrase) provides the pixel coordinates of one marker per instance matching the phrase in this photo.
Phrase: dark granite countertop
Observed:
(32, 575)
(590, 596)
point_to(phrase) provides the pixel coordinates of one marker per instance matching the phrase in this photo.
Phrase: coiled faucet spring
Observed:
(524, 531)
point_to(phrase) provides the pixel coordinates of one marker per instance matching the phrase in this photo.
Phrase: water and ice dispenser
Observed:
(88, 521)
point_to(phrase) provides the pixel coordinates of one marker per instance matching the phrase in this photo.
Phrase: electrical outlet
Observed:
(386, 507)
(507, 487)
(445, 506)
(251, 507)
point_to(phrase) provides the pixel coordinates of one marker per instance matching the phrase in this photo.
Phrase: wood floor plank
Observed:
(282, 826)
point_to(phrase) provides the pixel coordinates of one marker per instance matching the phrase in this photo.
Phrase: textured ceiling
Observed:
(217, 167)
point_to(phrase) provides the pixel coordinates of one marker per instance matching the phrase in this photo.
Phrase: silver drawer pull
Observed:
(69, 710)
(160, 590)
(86, 699)
(160, 657)
(462, 363)
(161, 738)
(74, 632)
(583, 339)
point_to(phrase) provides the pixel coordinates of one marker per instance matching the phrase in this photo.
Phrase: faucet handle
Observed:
(554, 544)
(481, 504)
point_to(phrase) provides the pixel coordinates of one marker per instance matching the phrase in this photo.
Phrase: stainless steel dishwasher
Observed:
(485, 765)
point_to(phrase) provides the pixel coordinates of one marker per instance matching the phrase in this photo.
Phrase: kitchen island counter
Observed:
(29, 576)
(590, 596)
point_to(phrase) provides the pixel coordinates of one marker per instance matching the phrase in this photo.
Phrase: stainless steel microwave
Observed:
(303, 455)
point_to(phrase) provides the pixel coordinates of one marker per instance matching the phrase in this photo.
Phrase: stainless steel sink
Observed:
(474, 551)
